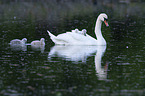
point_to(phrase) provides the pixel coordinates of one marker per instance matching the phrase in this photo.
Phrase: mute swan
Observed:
(18, 41)
(74, 38)
(38, 43)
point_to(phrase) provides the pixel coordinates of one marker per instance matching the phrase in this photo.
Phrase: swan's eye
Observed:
(105, 19)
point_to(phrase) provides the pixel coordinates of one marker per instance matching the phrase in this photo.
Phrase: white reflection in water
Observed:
(72, 53)
(101, 71)
(40, 48)
(80, 53)
(18, 47)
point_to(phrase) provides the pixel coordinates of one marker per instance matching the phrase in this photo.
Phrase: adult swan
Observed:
(75, 38)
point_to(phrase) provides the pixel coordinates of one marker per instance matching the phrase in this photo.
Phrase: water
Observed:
(116, 70)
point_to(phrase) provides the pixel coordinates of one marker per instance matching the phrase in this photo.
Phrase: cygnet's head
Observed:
(76, 30)
(103, 17)
(84, 30)
(42, 39)
(24, 39)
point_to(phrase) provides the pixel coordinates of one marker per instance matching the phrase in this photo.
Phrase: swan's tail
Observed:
(51, 35)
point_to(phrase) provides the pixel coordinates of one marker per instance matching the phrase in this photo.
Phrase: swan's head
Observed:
(24, 40)
(42, 41)
(104, 18)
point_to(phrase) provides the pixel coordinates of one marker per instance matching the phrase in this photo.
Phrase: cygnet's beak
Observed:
(106, 23)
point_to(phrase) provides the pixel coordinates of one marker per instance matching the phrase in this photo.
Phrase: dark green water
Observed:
(115, 70)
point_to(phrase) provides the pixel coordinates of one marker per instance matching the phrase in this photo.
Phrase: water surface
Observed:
(116, 69)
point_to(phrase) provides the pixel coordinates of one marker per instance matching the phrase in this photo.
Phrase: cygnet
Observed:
(84, 31)
(76, 30)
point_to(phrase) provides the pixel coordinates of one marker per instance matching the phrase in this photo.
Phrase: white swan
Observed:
(74, 38)
(18, 41)
(38, 43)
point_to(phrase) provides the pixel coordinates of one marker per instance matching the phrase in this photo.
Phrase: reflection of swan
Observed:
(80, 53)
(101, 72)
(38, 48)
(18, 41)
(18, 47)
(74, 38)
(73, 53)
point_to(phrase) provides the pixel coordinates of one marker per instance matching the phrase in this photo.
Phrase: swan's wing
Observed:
(72, 38)
(15, 41)
(64, 38)
(91, 38)
(81, 37)
(60, 39)
(76, 38)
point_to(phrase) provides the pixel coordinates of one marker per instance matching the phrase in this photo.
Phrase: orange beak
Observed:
(106, 23)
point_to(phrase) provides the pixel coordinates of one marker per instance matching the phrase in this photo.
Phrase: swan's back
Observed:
(38, 43)
(72, 38)
(18, 41)
(77, 39)
(15, 41)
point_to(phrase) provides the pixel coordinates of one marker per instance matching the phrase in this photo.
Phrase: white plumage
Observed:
(77, 37)
(18, 41)
(38, 43)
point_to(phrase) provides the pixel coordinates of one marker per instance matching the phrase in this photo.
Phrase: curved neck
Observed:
(98, 29)
(41, 42)
(23, 41)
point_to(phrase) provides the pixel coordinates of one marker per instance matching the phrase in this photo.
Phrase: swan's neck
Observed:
(23, 41)
(42, 42)
(98, 29)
